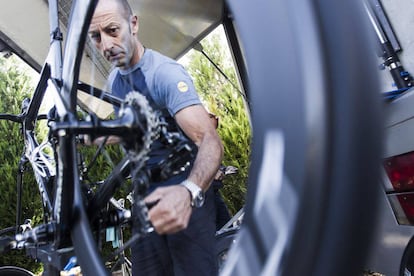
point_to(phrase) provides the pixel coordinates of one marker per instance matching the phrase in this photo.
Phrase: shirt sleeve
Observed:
(174, 87)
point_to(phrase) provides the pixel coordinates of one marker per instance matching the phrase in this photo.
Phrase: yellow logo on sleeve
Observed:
(182, 86)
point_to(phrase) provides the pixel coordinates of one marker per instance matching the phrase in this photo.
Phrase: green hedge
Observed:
(15, 85)
(223, 97)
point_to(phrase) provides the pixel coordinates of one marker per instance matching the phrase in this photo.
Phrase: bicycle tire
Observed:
(85, 238)
(82, 237)
(14, 271)
(315, 105)
(407, 260)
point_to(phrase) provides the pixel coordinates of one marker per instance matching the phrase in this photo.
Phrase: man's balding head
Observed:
(123, 5)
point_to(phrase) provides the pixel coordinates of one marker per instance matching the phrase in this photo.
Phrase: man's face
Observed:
(113, 34)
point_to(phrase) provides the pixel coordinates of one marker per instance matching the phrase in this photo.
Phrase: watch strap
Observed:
(195, 192)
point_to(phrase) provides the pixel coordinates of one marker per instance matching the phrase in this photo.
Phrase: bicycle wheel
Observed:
(14, 271)
(316, 116)
(89, 218)
(68, 181)
(407, 260)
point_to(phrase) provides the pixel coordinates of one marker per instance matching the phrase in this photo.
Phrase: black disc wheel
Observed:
(316, 117)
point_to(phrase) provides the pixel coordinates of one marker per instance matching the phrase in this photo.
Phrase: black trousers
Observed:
(188, 252)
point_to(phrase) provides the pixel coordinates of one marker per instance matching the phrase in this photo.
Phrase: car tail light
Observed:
(399, 186)
(400, 171)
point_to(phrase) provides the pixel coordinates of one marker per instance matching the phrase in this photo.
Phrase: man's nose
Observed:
(106, 43)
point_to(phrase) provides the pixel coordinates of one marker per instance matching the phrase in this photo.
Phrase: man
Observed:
(184, 240)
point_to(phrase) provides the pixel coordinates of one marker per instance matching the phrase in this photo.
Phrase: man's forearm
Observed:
(207, 162)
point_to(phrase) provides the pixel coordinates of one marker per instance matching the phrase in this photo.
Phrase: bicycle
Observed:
(70, 206)
(318, 151)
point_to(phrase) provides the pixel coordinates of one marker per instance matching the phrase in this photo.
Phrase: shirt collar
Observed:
(136, 66)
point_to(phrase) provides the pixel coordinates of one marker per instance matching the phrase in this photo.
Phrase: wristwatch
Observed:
(197, 194)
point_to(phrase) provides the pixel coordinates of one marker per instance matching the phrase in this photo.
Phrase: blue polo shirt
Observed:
(168, 88)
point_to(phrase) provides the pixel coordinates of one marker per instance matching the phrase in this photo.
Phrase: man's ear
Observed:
(134, 24)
